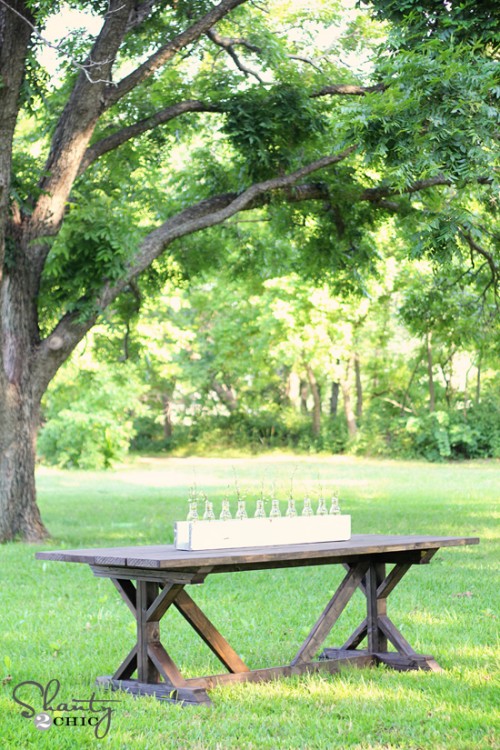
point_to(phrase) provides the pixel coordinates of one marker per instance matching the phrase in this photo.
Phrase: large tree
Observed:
(87, 208)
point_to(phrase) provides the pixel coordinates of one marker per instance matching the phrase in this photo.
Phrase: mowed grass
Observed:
(60, 622)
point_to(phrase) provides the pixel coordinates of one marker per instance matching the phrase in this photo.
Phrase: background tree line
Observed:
(405, 364)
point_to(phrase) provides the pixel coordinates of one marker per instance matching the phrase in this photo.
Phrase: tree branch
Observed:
(167, 52)
(303, 58)
(115, 140)
(131, 131)
(140, 14)
(227, 44)
(209, 212)
(226, 41)
(375, 195)
(490, 260)
(56, 348)
(77, 122)
(348, 89)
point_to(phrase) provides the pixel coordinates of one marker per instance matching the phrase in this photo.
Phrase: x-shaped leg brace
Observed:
(377, 628)
(148, 602)
(157, 673)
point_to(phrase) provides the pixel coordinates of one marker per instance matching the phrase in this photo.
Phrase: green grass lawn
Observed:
(60, 622)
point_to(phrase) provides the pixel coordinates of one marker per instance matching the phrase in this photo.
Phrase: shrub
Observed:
(89, 416)
(269, 427)
(76, 439)
(440, 435)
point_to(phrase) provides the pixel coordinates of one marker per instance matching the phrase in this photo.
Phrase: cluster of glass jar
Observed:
(195, 499)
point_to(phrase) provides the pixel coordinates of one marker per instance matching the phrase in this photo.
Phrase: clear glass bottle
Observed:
(334, 507)
(241, 512)
(321, 509)
(225, 514)
(192, 514)
(275, 508)
(307, 509)
(209, 514)
(193, 511)
(291, 511)
(259, 509)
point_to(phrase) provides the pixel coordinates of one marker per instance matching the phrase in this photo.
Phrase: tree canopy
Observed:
(171, 118)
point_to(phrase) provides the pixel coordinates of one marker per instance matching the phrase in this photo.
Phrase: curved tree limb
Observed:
(375, 195)
(168, 51)
(378, 195)
(228, 44)
(349, 89)
(490, 260)
(209, 212)
(77, 122)
(226, 41)
(116, 139)
(305, 59)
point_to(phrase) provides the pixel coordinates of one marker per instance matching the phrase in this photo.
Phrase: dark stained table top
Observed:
(166, 557)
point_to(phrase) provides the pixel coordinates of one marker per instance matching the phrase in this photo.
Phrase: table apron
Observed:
(199, 573)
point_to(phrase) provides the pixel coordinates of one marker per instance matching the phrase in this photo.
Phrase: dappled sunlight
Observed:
(425, 617)
(471, 651)
(116, 536)
(374, 692)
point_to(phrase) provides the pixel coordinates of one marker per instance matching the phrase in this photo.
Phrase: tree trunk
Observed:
(334, 398)
(352, 426)
(316, 414)
(478, 382)
(19, 514)
(448, 393)
(293, 389)
(20, 395)
(408, 387)
(359, 387)
(466, 393)
(432, 391)
(14, 38)
(304, 392)
(167, 416)
(226, 395)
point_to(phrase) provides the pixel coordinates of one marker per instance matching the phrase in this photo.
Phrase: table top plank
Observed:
(167, 557)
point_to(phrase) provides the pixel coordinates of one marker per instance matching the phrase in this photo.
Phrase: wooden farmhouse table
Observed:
(152, 579)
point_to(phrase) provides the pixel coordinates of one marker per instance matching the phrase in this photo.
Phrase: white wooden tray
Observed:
(256, 532)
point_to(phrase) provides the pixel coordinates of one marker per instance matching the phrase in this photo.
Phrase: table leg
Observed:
(209, 633)
(157, 673)
(377, 628)
(331, 614)
(376, 608)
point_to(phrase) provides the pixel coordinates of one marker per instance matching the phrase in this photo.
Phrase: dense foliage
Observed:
(407, 369)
